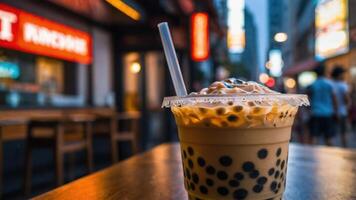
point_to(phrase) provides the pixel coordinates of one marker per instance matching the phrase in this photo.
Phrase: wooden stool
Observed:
(105, 125)
(59, 141)
(3, 123)
(131, 135)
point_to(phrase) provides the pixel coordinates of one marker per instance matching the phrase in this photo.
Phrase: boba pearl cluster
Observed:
(235, 86)
(206, 179)
(236, 114)
(243, 115)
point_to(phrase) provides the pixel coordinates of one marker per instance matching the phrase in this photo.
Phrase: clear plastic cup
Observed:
(235, 147)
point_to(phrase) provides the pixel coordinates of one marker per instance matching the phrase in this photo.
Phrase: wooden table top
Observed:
(313, 173)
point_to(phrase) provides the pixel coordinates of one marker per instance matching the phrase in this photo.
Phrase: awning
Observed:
(306, 65)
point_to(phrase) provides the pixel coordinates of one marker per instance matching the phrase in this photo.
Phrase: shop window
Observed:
(132, 70)
(49, 75)
(155, 78)
(25, 77)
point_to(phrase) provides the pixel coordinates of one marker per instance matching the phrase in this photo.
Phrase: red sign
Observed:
(200, 47)
(23, 31)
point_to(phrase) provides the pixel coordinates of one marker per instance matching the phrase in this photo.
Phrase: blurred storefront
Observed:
(123, 66)
(141, 76)
(324, 32)
(51, 56)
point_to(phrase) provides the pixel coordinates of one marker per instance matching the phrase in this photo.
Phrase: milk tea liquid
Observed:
(235, 149)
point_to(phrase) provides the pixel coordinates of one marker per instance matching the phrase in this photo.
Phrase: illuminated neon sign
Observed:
(23, 31)
(9, 70)
(200, 47)
(332, 37)
(236, 26)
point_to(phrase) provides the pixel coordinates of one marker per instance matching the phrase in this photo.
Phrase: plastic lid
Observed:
(230, 99)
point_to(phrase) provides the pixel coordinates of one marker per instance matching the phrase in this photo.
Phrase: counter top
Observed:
(316, 173)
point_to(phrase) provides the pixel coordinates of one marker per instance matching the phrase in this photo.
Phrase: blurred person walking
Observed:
(343, 99)
(352, 111)
(323, 107)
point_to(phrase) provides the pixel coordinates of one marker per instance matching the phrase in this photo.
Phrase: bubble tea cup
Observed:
(234, 140)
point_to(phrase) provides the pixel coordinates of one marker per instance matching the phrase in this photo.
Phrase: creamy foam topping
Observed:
(233, 103)
(235, 86)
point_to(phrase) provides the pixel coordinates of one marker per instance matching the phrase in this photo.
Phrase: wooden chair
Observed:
(3, 123)
(131, 119)
(62, 139)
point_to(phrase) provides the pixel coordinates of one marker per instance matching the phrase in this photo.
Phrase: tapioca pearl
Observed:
(276, 191)
(201, 161)
(187, 172)
(234, 183)
(195, 178)
(239, 176)
(210, 170)
(203, 110)
(279, 151)
(278, 162)
(203, 189)
(273, 185)
(279, 185)
(254, 174)
(257, 188)
(207, 123)
(230, 103)
(184, 154)
(225, 161)
(222, 175)
(190, 163)
(220, 111)
(286, 114)
(262, 153)
(250, 103)
(223, 191)
(190, 151)
(282, 175)
(209, 182)
(261, 180)
(282, 164)
(249, 117)
(276, 175)
(192, 186)
(271, 171)
(240, 193)
(248, 166)
(237, 108)
(281, 115)
(232, 118)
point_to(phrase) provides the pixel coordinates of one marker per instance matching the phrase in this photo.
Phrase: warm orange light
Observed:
(200, 36)
(289, 83)
(123, 7)
(281, 37)
(263, 78)
(135, 67)
(268, 65)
